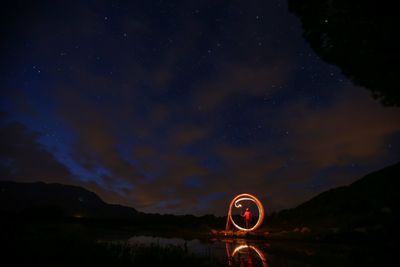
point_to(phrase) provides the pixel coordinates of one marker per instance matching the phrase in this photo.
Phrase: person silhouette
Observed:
(249, 260)
(247, 217)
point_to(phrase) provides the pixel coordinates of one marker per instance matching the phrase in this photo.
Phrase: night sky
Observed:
(177, 106)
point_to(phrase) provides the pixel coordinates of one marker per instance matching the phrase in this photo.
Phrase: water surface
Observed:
(242, 252)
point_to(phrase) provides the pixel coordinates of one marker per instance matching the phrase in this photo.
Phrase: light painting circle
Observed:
(259, 253)
(260, 207)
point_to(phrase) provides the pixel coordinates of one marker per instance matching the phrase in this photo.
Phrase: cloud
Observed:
(352, 129)
(242, 80)
(146, 110)
(143, 151)
(24, 159)
(185, 134)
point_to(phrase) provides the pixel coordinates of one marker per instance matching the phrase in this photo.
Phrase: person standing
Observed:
(247, 217)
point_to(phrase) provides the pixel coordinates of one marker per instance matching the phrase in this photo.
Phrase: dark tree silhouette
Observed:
(358, 36)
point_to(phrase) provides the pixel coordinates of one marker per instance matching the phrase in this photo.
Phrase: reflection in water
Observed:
(201, 248)
(247, 255)
(241, 252)
(238, 252)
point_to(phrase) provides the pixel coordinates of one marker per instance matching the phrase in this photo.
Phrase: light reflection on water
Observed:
(242, 252)
(195, 246)
(237, 253)
(245, 254)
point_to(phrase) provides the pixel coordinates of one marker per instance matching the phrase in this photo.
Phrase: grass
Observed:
(42, 244)
(70, 243)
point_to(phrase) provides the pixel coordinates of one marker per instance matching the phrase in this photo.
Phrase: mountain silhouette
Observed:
(370, 202)
(42, 199)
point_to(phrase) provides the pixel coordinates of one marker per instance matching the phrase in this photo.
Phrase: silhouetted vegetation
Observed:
(40, 243)
(360, 37)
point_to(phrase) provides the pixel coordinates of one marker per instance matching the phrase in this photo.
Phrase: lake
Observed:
(242, 252)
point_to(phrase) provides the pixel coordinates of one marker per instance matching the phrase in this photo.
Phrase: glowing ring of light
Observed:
(259, 253)
(235, 202)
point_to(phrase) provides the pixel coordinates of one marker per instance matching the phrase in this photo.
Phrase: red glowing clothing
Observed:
(247, 215)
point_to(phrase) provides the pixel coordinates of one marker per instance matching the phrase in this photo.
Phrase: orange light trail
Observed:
(235, 202)
(259, 253)
(242, 246)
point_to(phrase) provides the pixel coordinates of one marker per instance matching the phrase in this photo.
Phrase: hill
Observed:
(41, 199)
(368, 204)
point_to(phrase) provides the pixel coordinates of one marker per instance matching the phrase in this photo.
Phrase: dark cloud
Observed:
(242, 80)
(177, 107)
(144, 151)
(24, 159)
(187, 134)
(351, 129)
